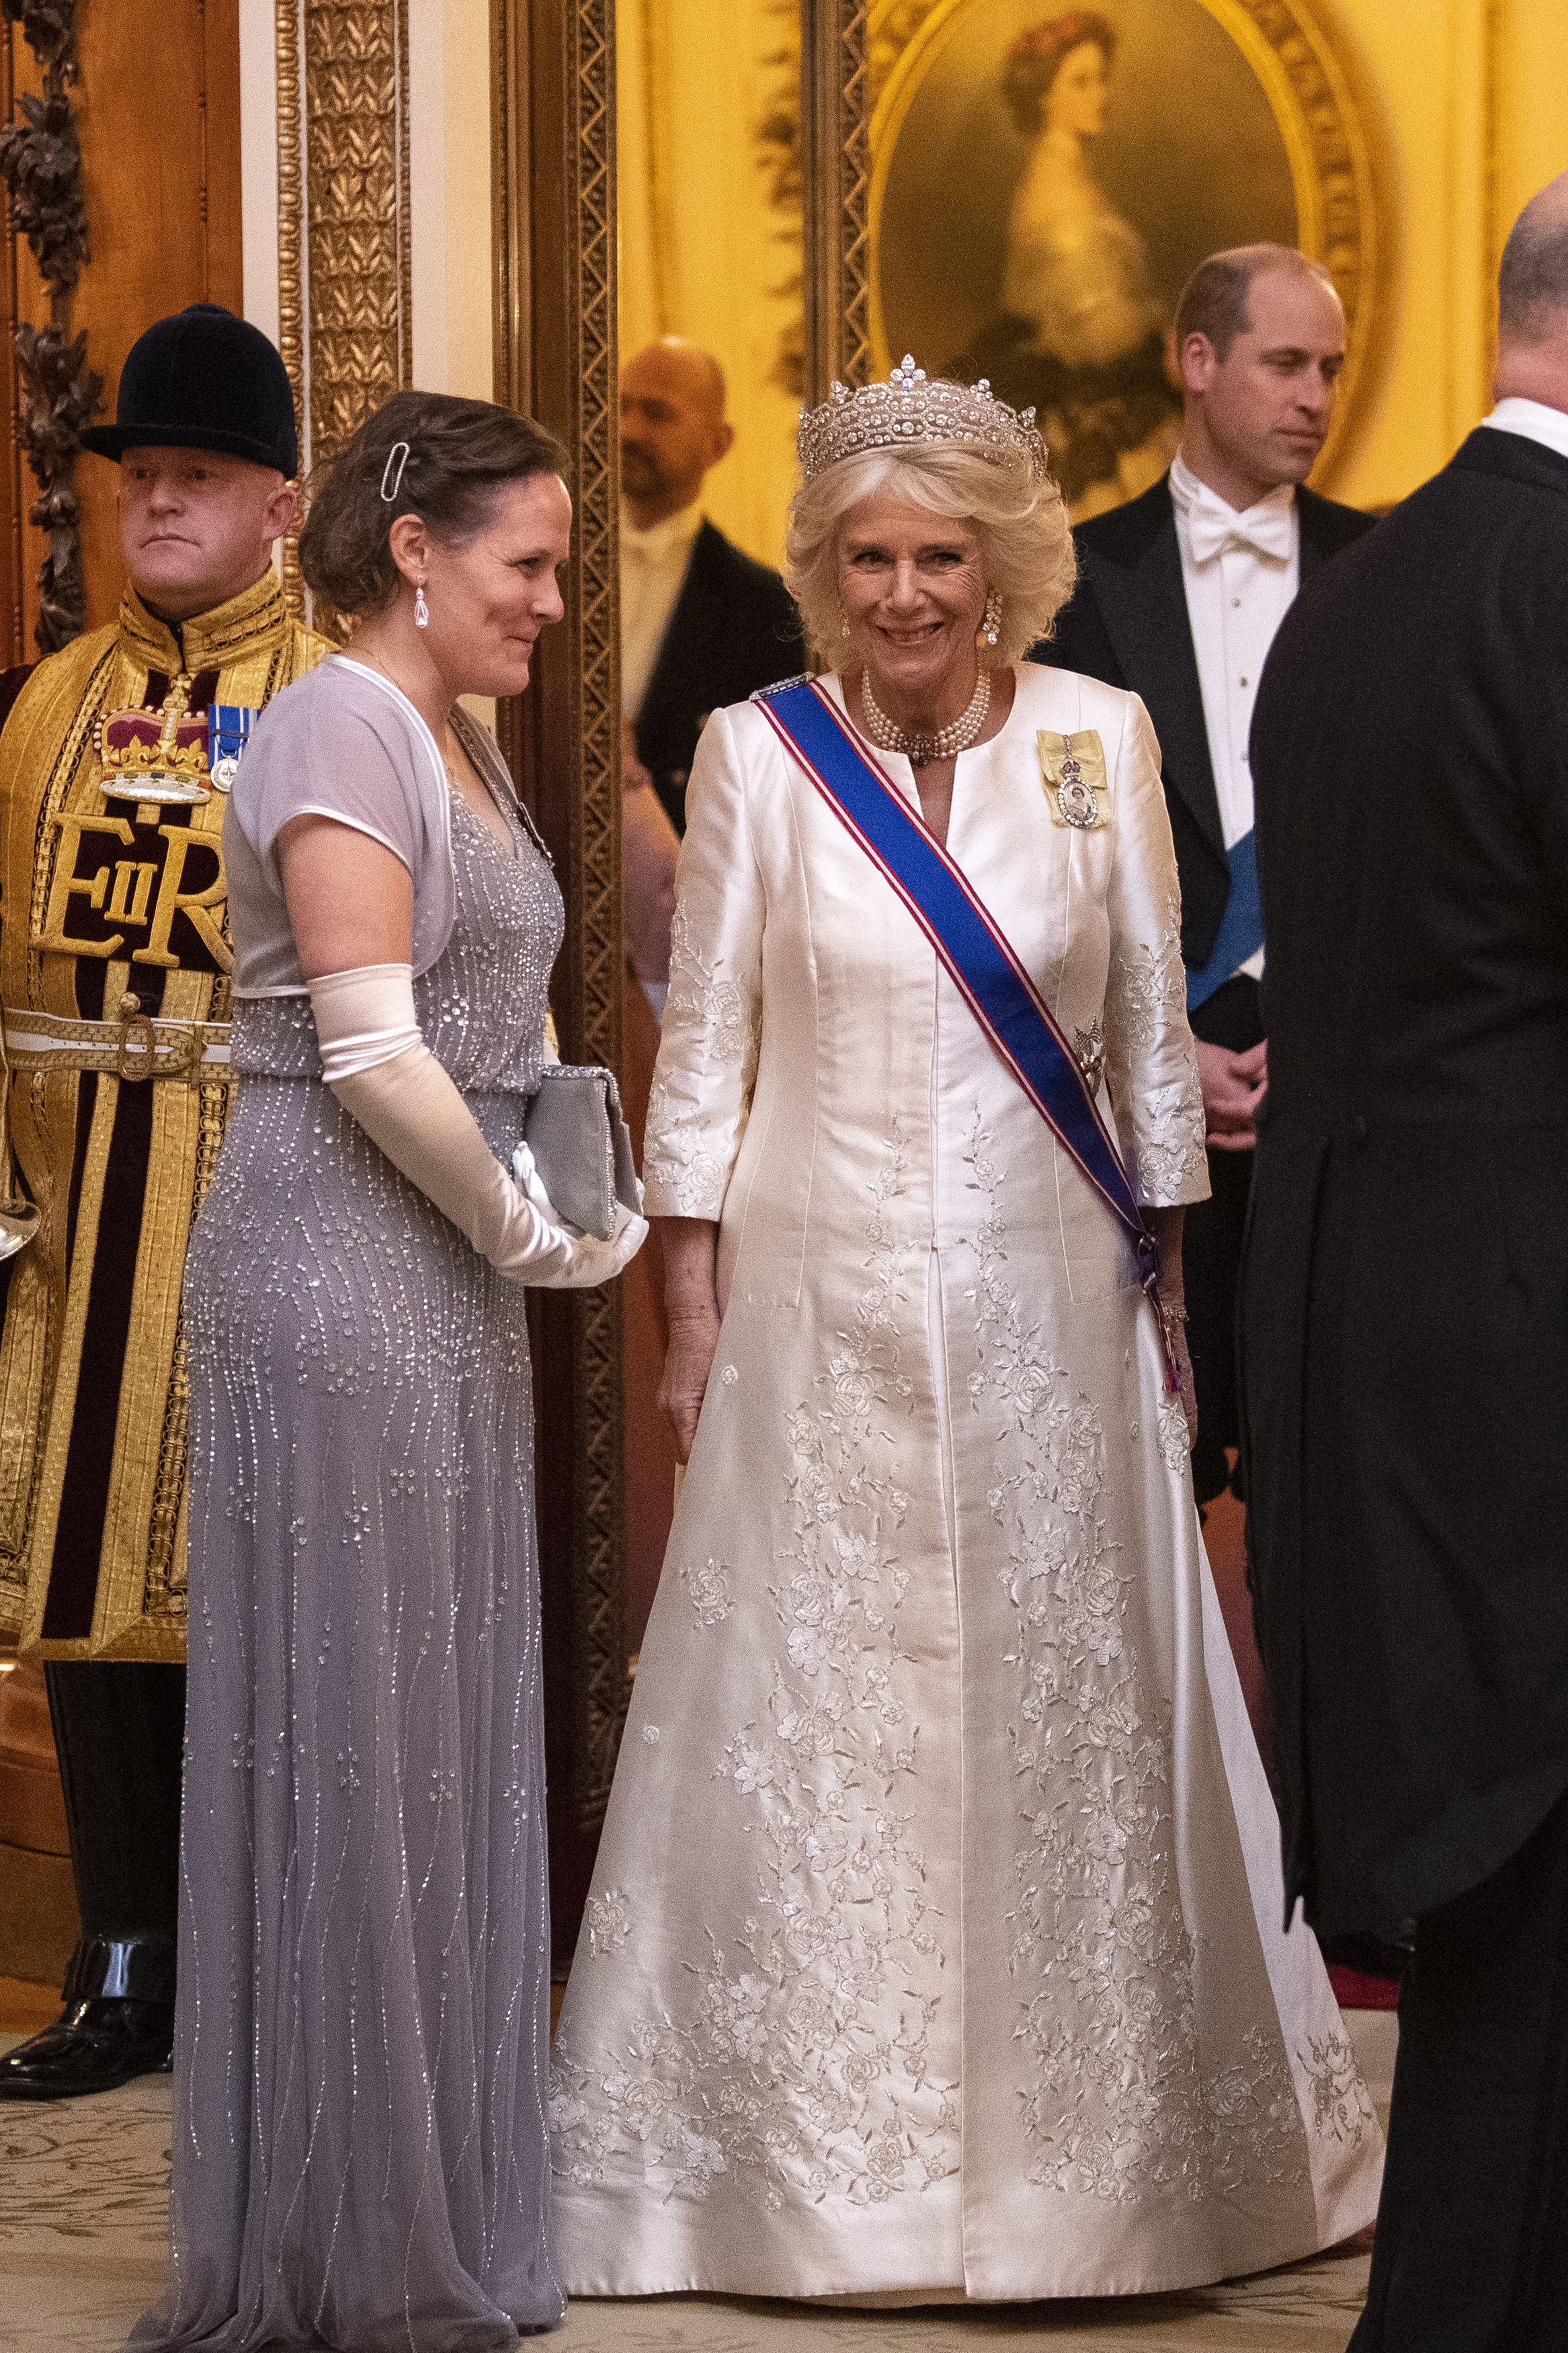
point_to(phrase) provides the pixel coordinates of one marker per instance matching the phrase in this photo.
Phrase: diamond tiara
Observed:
(911, 408)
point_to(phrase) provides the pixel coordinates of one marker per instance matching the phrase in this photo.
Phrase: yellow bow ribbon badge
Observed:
(1072, 769)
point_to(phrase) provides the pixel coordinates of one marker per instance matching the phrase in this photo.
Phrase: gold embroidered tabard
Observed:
(114, 975)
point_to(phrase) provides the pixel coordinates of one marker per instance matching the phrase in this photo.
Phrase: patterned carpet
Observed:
(84, 2202)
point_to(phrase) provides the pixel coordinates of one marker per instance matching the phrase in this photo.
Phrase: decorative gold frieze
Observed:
(554, 100)
(356, 145)
(345, 266)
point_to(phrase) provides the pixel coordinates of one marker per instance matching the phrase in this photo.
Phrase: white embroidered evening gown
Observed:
(934, 1944)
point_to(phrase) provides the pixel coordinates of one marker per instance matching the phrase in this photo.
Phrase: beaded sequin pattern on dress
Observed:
(364, 1965)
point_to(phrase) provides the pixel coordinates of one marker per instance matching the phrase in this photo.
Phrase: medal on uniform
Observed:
(228, 731)
(1072, 769)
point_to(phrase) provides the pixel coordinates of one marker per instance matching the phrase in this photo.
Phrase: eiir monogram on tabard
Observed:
(120, 892)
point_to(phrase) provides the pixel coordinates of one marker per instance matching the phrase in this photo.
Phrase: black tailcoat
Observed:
(734, 627)
(1405, 1286)
(1126, 624)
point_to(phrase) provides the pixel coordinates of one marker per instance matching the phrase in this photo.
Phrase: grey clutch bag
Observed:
(580, 1145)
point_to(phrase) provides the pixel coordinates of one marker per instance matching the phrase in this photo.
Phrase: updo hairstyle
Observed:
(461, 453)
(1026, 540)
(1036, 57)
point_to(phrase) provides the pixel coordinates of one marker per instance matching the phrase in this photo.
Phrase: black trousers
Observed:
(1472, 2231)
(1211, 1237)
(119, 1730)
(1211, 1254)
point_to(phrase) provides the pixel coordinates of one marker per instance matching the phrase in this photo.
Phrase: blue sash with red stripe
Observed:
(972, 949)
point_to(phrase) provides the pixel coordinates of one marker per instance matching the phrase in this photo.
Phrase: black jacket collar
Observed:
(1514, 456)
(1135, 561)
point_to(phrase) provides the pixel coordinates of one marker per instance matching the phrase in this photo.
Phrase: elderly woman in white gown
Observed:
(934, 1948)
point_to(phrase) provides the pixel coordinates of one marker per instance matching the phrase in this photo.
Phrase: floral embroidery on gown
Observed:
(934, 1946)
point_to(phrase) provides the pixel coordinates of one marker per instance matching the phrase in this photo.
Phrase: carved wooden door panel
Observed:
(553, 81)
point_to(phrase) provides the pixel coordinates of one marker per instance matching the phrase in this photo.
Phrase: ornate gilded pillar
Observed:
(345, 268)
(553, 96)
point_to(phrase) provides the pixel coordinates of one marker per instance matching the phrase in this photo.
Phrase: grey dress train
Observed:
(363, 2032)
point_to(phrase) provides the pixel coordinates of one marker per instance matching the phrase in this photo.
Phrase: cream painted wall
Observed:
(259, 161)
(449, 143)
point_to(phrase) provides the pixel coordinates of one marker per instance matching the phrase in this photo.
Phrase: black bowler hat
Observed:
(204, 380)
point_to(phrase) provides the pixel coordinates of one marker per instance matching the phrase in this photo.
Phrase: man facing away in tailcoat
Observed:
(1405, 1319)
(1178, 598)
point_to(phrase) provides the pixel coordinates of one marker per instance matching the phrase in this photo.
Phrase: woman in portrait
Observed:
(363, 2026)
(933, 1950)
(1081, 337)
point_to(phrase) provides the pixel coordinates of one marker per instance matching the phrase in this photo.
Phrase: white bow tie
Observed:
(1267, 530)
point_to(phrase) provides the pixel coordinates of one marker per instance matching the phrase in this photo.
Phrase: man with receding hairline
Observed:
(1405, 1319)
(1178, 598)
(701, 624)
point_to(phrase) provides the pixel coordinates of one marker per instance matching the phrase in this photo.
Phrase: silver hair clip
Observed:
(389, 495)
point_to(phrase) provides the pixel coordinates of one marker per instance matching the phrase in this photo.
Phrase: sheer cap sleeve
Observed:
(343, 744)
(701, 1094)
(1153, 1062)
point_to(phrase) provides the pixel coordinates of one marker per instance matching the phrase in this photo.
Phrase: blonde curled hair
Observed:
(1025, 541)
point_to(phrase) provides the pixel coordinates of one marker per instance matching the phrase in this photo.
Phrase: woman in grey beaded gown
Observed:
(362, 2028)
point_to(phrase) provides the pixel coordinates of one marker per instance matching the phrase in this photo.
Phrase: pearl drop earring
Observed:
(842, 622)
(991, 618)
(421, 610)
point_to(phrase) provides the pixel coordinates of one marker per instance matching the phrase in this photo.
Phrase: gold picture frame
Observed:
(863, 67)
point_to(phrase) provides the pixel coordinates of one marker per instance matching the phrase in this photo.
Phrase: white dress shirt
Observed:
(653, 572)
(1534, 420)
(1241, 572)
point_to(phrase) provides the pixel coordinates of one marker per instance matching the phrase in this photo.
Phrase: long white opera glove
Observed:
(379, 1066)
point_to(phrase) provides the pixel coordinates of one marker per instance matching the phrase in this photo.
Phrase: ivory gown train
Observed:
(934, 1946)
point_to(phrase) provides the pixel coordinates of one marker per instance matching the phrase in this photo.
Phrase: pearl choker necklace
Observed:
(921, 750)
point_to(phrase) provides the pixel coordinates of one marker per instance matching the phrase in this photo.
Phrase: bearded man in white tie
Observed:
(1179, 595)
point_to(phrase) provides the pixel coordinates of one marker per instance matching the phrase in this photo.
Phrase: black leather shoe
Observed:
(94, 2046)
(90, 2048)
(117, 2021)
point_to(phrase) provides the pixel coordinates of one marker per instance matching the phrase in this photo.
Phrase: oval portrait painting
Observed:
(1043, 185)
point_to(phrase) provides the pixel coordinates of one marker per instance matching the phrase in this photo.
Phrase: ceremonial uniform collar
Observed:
(246, 625)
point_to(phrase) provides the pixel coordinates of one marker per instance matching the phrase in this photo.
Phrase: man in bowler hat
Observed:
(1405, 1319)
(114, 969)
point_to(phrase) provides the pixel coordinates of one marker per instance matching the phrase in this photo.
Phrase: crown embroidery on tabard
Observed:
(911, 409)
(171, 756)
(159, 756)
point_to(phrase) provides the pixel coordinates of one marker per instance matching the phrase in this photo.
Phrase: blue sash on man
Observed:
(1240, 929)
(974, 952)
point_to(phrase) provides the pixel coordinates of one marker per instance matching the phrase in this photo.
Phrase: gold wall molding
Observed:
(836, 120)
(291, 251)
(344, 247)
(553, 96)
(1324, 118)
